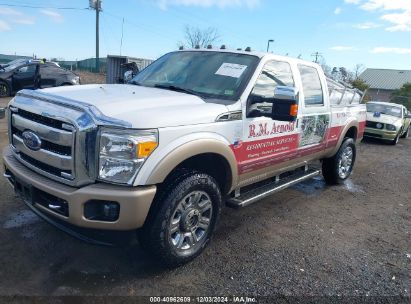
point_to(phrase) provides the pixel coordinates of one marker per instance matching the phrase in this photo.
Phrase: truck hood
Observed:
(385, 119)
(142, 107)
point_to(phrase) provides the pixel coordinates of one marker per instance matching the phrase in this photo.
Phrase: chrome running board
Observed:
(254, 195)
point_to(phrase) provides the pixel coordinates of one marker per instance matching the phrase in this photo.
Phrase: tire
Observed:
(396, 139)
(184, 218)
(338, 168)
(405, 135)
(4, 89)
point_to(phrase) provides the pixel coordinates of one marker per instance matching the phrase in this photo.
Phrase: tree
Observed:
(358, 69)
(341, 74)
(403, 96)
(360, 84)
(195, 36)
(326, 68)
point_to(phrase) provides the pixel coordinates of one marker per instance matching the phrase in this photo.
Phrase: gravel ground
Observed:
(310, 240)
(91, 78)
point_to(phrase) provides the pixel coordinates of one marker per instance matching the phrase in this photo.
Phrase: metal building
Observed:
(115, 71)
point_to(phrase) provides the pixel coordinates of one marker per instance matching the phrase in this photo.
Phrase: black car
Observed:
(33, 74)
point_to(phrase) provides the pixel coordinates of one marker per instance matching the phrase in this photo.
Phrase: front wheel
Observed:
(185, 219)
(396, 139)
(338, 168)
(405, 135)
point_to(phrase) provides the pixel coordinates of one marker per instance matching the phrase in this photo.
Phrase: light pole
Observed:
(96, 5)
(268, 44)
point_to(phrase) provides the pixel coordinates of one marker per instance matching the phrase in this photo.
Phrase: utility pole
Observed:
(96, 5)
(317, 56)
(268, 44)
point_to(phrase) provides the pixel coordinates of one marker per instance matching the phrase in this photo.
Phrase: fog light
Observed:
(379, 125)
(110, 210)
(105, 211)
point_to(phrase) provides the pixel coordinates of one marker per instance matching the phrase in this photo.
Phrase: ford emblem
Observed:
(31, 140)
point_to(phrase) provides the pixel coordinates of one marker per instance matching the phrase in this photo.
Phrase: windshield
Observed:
(13, 65)
(206, 74)
(384, 109)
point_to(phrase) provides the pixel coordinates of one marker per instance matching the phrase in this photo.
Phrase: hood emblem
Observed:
(31, 140)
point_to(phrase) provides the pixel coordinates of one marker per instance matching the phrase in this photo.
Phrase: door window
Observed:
(28, 70)
(312, 88)
(275, 73)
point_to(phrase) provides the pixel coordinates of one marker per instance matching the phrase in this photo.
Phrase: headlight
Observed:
(123, 152)
(390, 127)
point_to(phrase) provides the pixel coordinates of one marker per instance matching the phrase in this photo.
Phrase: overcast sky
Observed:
(376, 33)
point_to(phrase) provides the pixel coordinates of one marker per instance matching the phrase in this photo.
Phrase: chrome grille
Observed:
(68, 131)
(56, 155)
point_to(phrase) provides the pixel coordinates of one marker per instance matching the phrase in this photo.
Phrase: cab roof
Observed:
(260, 55)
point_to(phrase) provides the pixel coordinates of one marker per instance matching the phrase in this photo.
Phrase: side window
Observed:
(22, 69)
(311, 85)
(28, 69)
(274, 73)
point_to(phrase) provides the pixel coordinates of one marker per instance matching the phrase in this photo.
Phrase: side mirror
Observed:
(285, 104)
(2, 113)
(407, 116)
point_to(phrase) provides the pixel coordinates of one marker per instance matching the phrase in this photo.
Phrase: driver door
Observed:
(267, 142)
(26, 77)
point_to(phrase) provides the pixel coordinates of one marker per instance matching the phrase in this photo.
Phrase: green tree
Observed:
(403, 96)
(360, 84)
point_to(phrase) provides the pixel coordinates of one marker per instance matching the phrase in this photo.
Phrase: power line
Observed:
(45, 7)
(140, 26)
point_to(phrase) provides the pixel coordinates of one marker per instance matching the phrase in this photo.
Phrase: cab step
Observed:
(256, 194)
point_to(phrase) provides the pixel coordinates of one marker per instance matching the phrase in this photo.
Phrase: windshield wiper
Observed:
(175, 88)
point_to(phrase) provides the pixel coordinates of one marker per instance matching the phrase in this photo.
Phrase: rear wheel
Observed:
(4, 89)
(184, 220)
(339, 167)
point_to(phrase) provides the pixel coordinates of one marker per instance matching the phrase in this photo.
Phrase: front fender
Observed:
(159, 166)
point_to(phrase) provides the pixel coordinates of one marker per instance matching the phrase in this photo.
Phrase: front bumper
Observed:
(134, 202)
(380, 133)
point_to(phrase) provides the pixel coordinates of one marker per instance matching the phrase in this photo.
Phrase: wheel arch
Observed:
(349, 131)
(210, 156)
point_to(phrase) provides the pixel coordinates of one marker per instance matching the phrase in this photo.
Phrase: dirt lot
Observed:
(349, 240)
(91, 78)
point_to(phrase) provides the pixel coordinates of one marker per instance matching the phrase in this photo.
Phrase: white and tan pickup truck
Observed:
(194, 131)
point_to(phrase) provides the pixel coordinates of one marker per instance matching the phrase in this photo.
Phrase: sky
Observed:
(375, 33)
